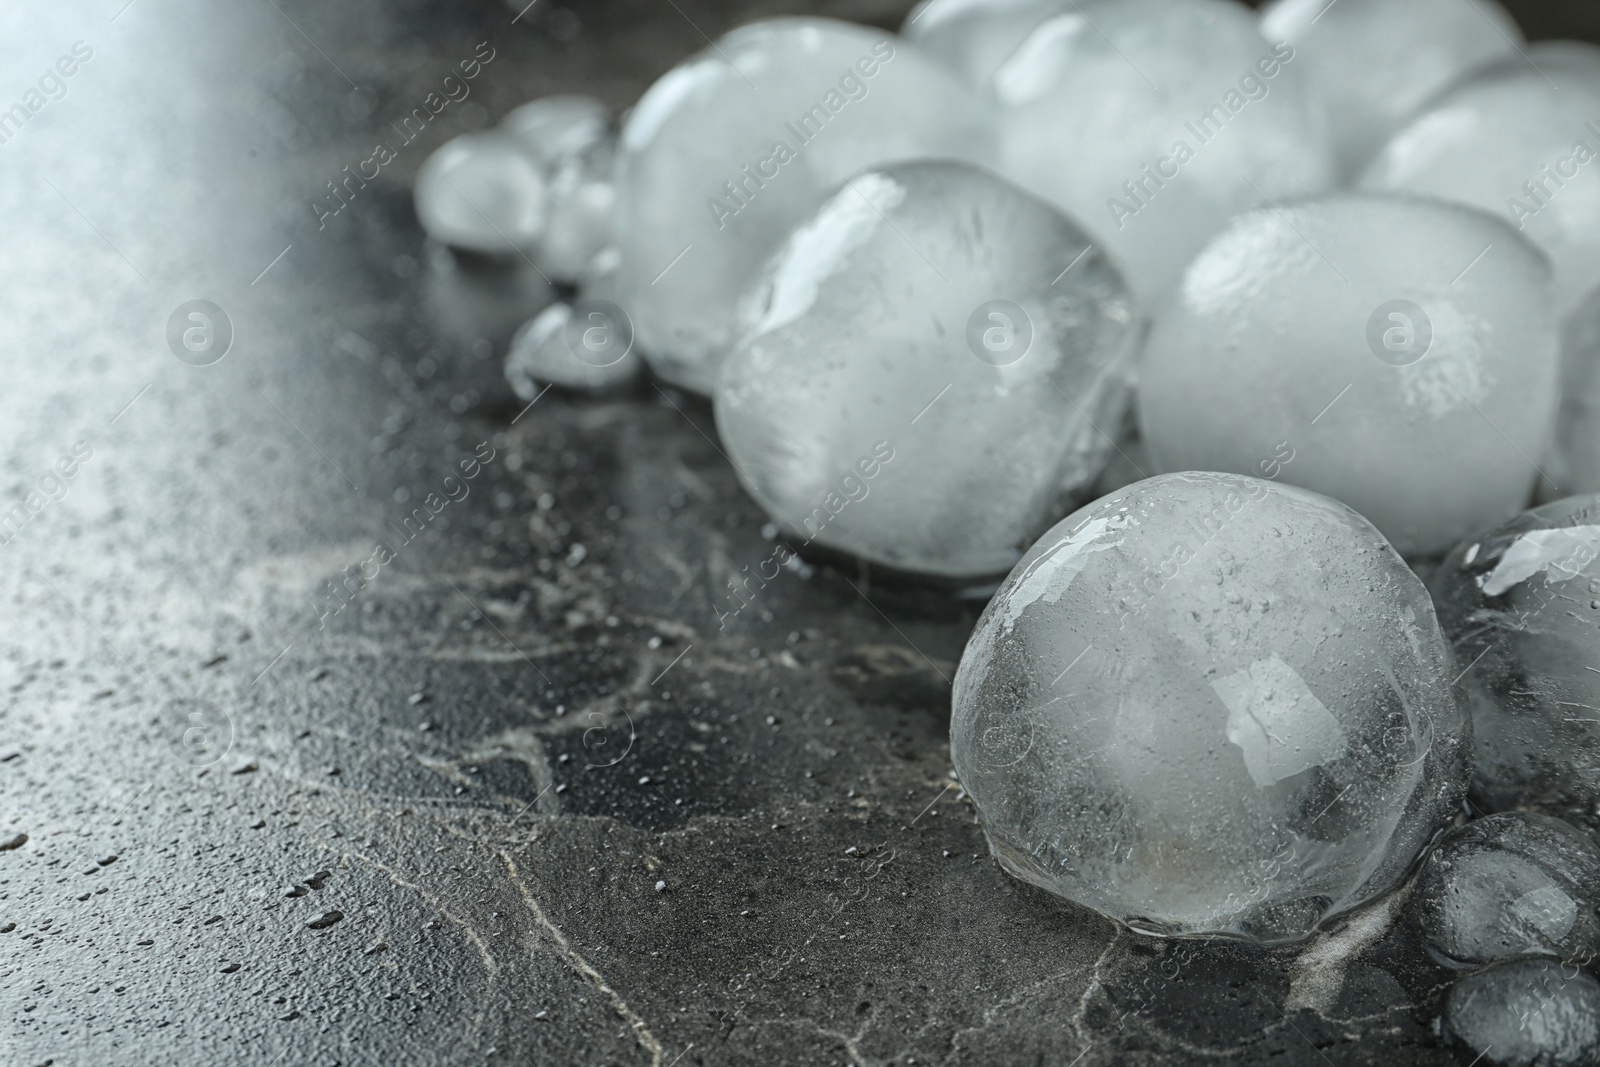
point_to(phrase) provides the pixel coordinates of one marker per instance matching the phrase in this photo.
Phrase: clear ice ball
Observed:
(937, 315)
(1376, 62)
(1521, 603)
(1514, 141)
(482, 193)
(1526, 1013)
(1211, 704)
(1510, 885)
(1398, 354)
(1152, 122)
(728, 152)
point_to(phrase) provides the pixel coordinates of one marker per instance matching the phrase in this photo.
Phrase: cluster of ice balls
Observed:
(1030, 252)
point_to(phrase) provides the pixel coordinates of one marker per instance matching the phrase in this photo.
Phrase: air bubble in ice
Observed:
(1519, 603)
(1211, 704)
(1526, 1013)
(1153, 122)
(482, 193)
(1376, 62)
(921, 375)
(1510, 885)
(1397, 354)
(729, 151)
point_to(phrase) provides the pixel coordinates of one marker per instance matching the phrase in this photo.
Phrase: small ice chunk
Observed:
(973, 37)
(1521, 603)
(1211, 704)
(554, 129)
(1374, 63)
(481, 193)
(1524, 1013)
(587, 348)
(920, 375)
(1397, 354)
(1519, 143)
(1153, 122)
(1510, 885)
(729, 151)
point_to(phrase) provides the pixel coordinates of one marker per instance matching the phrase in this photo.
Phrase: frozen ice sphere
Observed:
(480, 192)
(730, 151)
(923, 369)
(1526, 1013)
(1211, 704)
(557, 128)
(973, 37)
(1376, 62)
(1511, 885)
(1521, 604)
(1574, 465)
(1519, 143)
(1398, 354)
(1153, 122)
(588, 347)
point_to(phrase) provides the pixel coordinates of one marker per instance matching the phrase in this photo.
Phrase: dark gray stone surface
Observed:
(563, 816)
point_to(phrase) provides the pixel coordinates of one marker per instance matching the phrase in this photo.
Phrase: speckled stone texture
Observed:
(437, 744)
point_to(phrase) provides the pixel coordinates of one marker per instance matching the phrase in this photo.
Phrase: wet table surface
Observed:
(354, 713)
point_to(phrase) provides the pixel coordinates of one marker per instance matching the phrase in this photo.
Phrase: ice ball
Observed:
(587, 347)
(1376, 62)
(731, 150)
(1518, 142)
(1526, 1013)
(1153, 122)
(481, 193)
(930, 367)
(1521, 603)
(1398, 354)
(1211, 704)
(1511, 885)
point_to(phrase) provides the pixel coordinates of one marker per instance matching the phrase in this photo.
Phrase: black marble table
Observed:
(355, 713)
